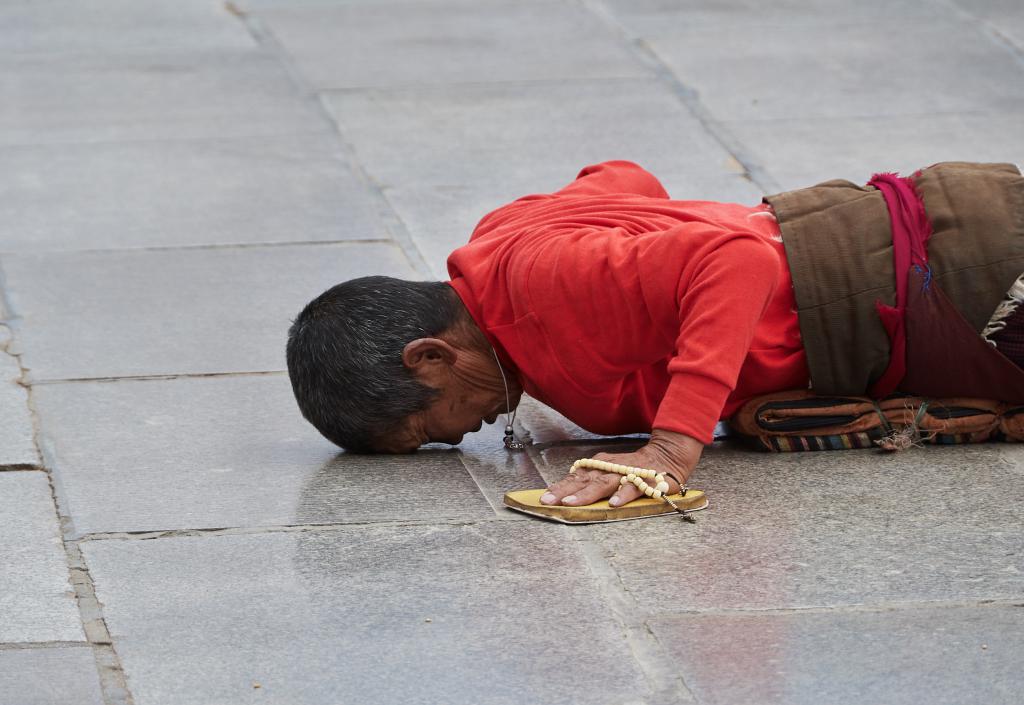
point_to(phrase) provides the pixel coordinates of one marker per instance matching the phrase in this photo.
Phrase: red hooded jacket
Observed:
(626, 311)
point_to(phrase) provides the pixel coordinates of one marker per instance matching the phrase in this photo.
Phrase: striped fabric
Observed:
(848, 441)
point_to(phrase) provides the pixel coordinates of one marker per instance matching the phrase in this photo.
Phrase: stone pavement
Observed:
(180, 176)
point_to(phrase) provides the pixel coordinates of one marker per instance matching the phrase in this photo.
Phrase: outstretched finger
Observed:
(601, 486)
(573, 482)
(626, 493)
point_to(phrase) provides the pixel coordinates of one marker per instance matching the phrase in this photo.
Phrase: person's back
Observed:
(625, 310)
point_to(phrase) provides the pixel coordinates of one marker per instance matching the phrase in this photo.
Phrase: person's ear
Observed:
(428, 358)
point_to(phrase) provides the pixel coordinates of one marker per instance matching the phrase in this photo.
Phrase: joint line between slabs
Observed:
(479, 487)
(112, 679)
(164, 377)
(167, 140)
(909, 606)
(392, 220)
(1005, 41)
(43, 645)
(648, 653)
(690, 99)
(279, 529)
(7, 314)
(988, 27)
(199, 247)
(440, 88)
(23, 382)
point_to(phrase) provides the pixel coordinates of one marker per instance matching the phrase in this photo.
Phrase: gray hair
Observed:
(344, 355)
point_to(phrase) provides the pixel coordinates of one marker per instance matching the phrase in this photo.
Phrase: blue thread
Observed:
(927, 276)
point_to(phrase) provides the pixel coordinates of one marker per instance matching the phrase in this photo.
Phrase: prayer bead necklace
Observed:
(630, 475)
(637, 477)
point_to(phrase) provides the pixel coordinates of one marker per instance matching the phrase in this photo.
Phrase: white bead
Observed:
(630, 474)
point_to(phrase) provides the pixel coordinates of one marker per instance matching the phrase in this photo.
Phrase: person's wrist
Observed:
(676, 450)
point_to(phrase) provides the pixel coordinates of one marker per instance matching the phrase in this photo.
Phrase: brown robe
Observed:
(838, 242)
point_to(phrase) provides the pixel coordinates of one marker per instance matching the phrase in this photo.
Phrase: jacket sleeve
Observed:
(615, 177)
(720, 303)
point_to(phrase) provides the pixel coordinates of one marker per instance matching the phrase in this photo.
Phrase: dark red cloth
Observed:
(910, 232)
(945, 355)
(1010, 339)
(626, 311)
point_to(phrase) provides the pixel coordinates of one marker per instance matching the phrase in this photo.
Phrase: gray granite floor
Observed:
(179, 177)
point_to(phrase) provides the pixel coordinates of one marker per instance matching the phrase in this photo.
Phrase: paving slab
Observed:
(653, 18)
(446, 156)
(51, 676)
(799, 153)
(175, 193)
(828, 529)
(37, 602)
(413, 614)
(151, 96)
(1013, 454)
(497, 470)
(1004, 17)
(196, 453)
(195, 311)
(256, 6)
(941, 655)
(543, 426)
(17, 444)
(742, 74)
(66, 27)
(554, 461)
(362, 45)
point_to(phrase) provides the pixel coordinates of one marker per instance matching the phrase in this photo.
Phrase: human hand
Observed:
(673, 454)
